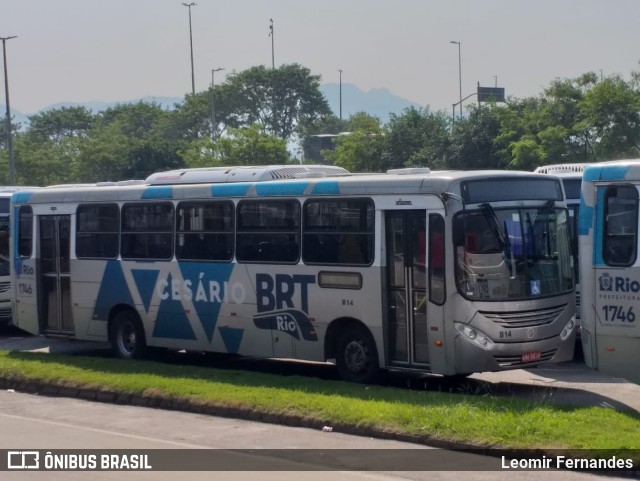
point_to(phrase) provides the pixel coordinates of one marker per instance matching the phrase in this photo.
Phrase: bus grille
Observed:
(539, 317)
(577, 299)
(4, 286)
(516, 360)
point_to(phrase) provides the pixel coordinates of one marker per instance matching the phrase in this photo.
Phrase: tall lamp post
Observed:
(339, 70)
(456, 42)
(214, 126)
(273, 58)
(9, 133)
(193, 78)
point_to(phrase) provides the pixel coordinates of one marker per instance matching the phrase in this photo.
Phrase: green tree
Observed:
(547, 129)
(46, 162)
(47, 152)
(59, 124)
(244, 146)
(610, 112)
(417, 138)
(473, 141)
(129, 141)
(363, 149)
(275, 99)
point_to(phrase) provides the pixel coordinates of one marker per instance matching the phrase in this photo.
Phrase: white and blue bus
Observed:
(610, 268)
(433, 272)
(5, 277)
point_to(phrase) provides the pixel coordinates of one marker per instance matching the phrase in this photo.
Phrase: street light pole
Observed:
(273, 58)
(214, 126)
(339, 70)
(193, 78)
(8, 131)
(456, 42)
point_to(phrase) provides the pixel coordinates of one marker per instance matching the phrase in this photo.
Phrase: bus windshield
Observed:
(513, 253)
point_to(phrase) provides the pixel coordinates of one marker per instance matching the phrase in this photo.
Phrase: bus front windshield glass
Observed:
(513, 253)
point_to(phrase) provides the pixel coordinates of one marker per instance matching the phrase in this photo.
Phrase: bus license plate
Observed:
(531, 356)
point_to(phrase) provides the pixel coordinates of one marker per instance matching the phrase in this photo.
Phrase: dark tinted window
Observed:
(572, 188)
(97, 231)
(436, 259)
(338, 232)
(25, 234)
(510, 188)
(620, 225)
(147, 231)
(268, 231)
(205, 231)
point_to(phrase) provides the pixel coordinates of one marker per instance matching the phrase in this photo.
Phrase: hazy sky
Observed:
(112, 50)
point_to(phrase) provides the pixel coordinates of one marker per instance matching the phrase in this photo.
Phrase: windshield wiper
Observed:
(502, 235)
(494, 222)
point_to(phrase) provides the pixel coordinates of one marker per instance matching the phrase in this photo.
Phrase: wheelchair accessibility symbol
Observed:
(534, 288)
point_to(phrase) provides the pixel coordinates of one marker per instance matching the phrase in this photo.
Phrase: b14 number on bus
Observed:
(618, 313)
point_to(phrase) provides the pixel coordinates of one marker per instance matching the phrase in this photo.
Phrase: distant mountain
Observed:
(17, 117)
(377, 102)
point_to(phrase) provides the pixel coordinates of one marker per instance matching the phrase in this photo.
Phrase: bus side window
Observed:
(620, 225)
(268, 231)
(25, 228)
(437, 291)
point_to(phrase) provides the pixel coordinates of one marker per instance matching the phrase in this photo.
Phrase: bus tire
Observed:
(356, 355)
(127, 336)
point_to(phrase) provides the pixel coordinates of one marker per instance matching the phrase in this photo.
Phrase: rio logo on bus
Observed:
(609, 283)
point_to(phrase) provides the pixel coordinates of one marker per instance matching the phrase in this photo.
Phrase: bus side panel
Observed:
(615, 313)
(87, 278)
(25, 299)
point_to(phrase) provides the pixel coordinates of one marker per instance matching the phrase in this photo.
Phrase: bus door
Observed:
(406, 330)
(55, 281)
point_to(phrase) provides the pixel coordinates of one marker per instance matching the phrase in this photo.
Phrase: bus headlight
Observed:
(474, 336)
(568, 329)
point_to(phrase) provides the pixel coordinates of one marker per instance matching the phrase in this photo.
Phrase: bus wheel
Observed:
(357, 357)
(127, 336)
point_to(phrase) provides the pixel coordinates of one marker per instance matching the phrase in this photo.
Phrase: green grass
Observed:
(482, 420)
